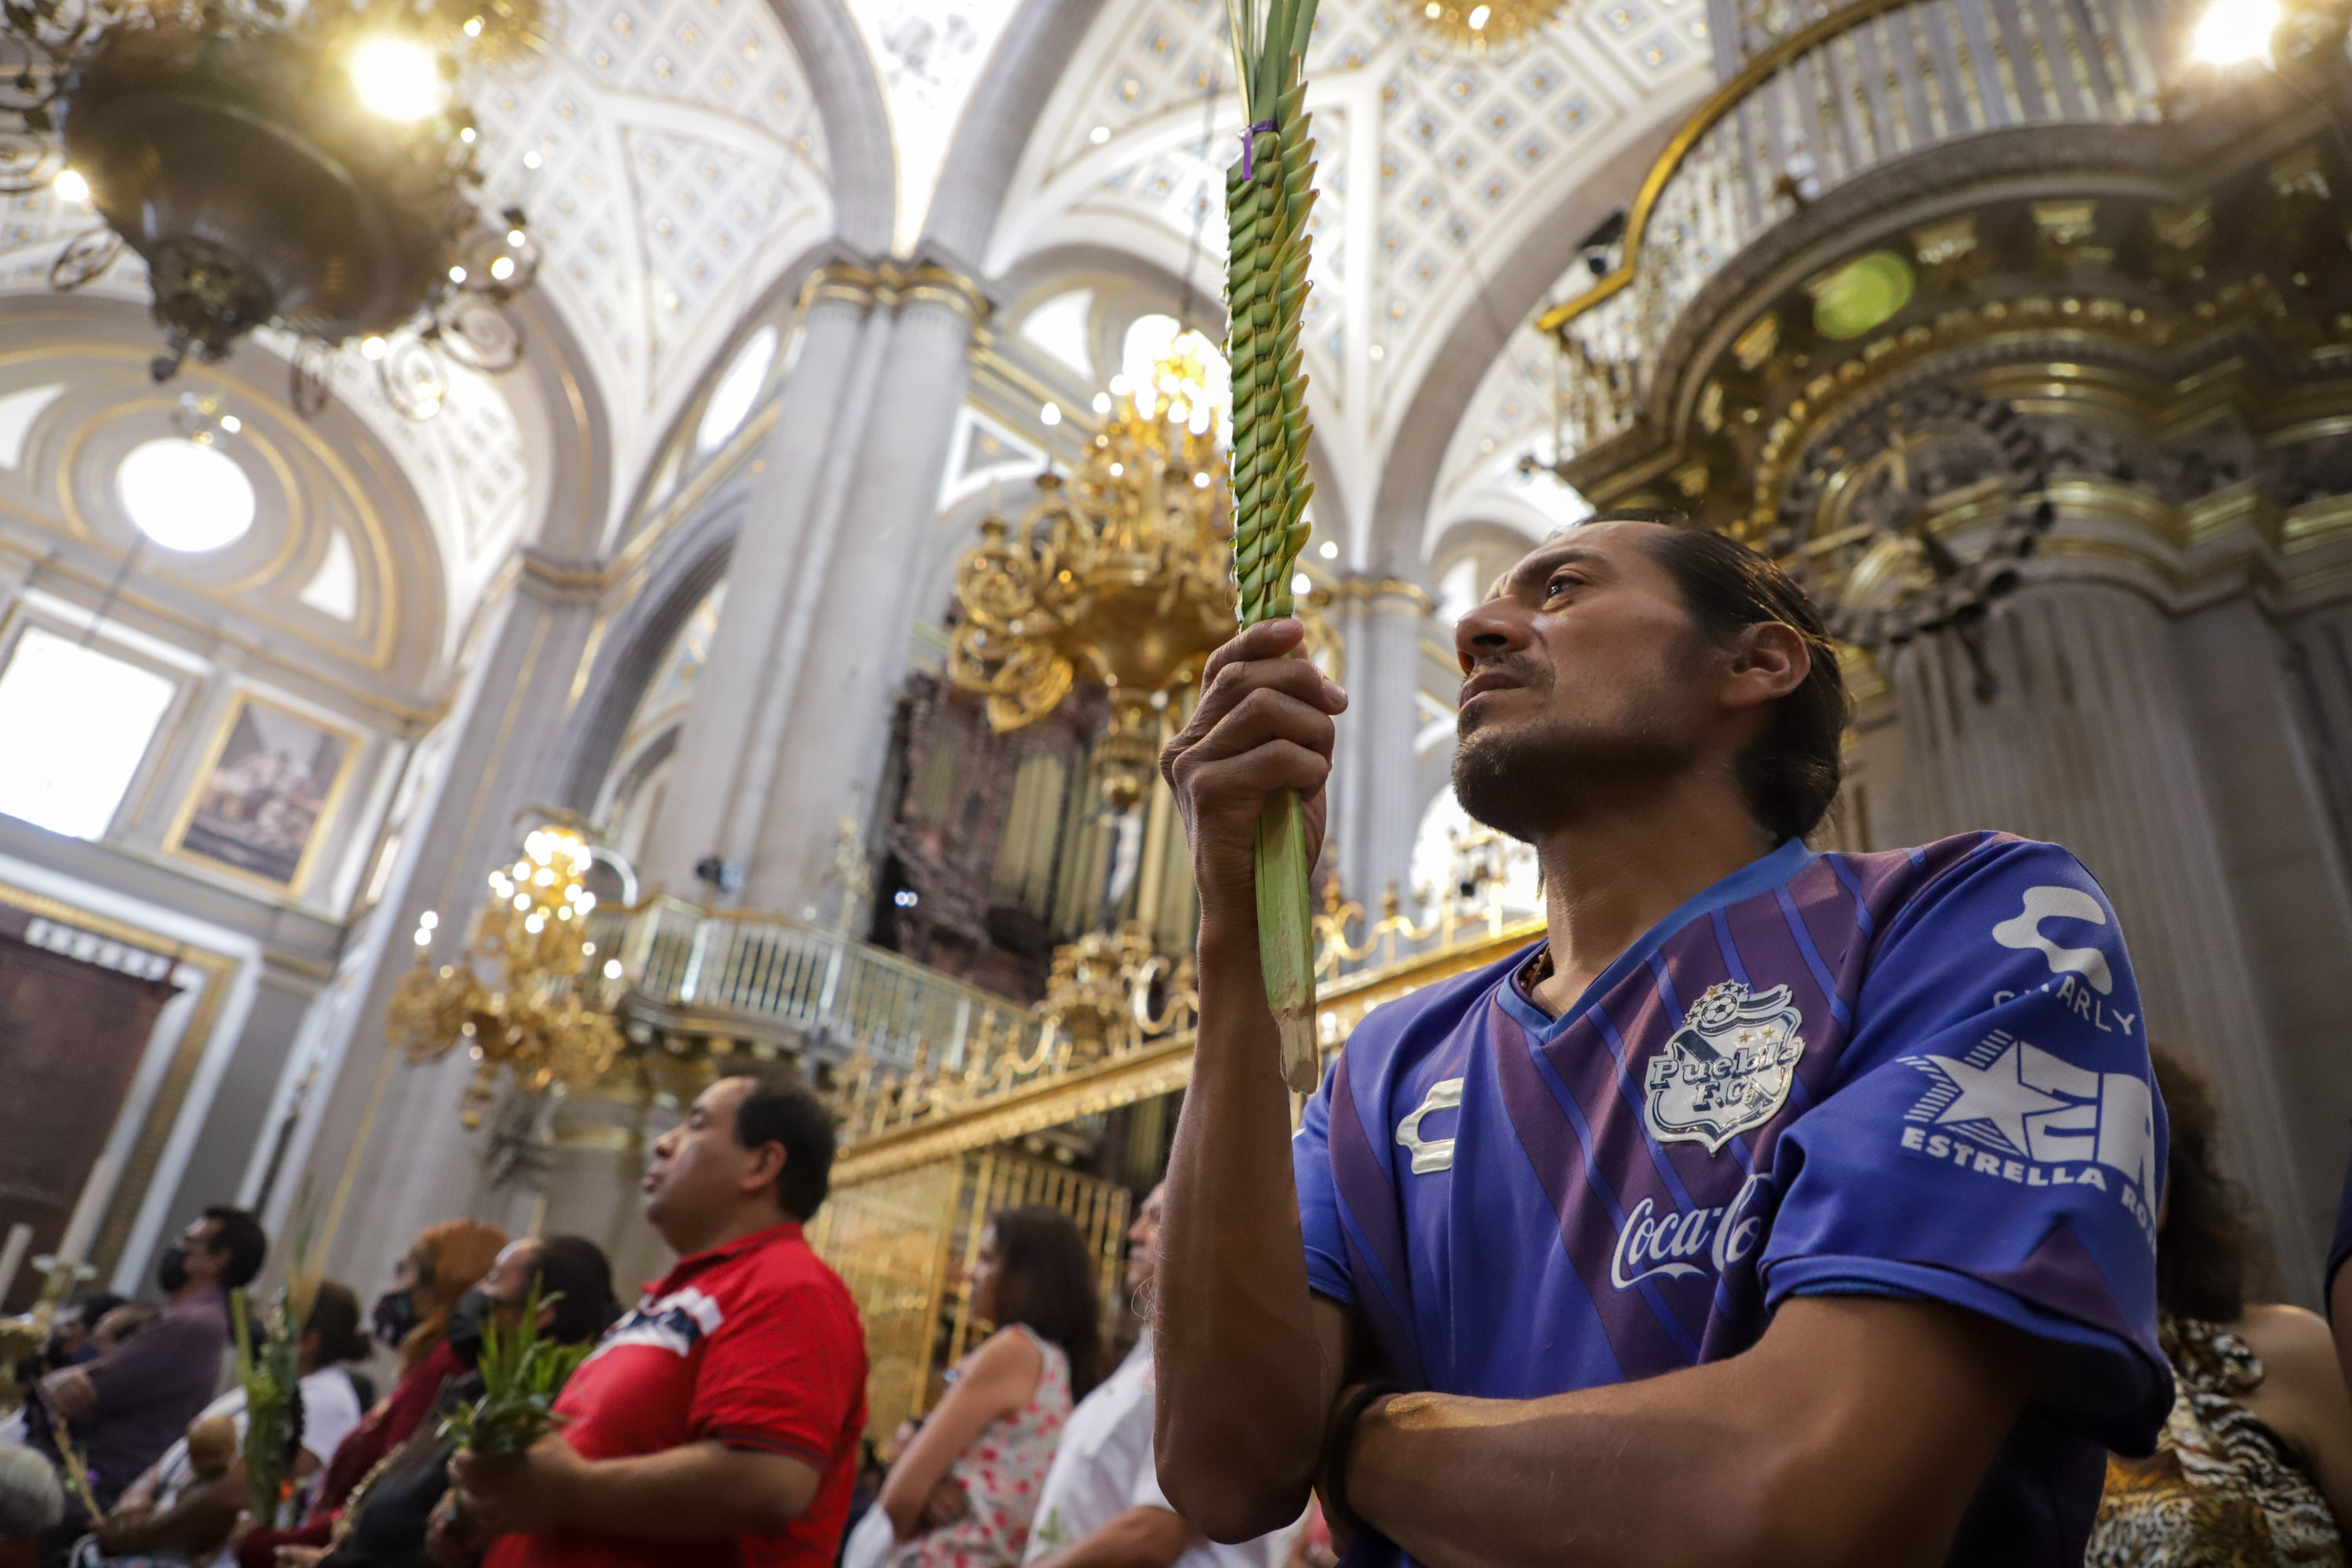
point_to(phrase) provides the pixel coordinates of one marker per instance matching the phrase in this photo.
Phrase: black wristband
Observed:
(1339, 1442)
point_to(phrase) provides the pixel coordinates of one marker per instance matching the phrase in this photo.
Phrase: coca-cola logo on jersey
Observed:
(1681, 1244)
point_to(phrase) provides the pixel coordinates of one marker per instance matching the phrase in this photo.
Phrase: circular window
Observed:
(732, 399)
(187, 496)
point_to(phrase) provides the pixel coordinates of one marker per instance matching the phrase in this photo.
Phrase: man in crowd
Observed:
(1101, 1506)
(1778, 1207)
(123, 1408)
(718, 1422)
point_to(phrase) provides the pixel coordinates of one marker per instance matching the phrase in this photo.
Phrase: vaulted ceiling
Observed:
(674, 158)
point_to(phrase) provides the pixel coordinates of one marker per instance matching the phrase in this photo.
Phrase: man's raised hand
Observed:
(1263, 724)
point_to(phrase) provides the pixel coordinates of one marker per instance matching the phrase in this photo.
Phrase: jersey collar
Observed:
(696, 1262)
(1768, 870)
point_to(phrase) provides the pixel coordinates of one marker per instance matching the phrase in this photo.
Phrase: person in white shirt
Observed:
(1101, 1506)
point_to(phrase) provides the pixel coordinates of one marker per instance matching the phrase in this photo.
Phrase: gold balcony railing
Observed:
(1872, 82)
(762, 977)
(924, 1067)
(1118, 1027)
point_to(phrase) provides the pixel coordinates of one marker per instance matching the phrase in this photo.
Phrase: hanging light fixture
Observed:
(1120, 572)
(544, 1015)
(312, 170)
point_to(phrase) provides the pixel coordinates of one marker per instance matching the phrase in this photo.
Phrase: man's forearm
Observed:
(1139, 1538)
(1243, 1392)
(699, 1491)
(1855, 1435)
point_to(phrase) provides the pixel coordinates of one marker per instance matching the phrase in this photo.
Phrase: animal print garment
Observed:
(2222, 1489)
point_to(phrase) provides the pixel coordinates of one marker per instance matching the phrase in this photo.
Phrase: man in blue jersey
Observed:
(1778, 1207)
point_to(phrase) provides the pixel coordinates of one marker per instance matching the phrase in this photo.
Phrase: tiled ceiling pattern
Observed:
(681, 166)
(1472, 151)
(467, 466)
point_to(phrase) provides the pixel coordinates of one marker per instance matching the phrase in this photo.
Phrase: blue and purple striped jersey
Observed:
(1916, 1074)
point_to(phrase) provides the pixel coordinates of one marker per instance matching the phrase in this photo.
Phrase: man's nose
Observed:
(1496, 627)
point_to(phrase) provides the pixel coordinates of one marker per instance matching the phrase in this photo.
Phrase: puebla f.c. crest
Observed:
(1726, 1069)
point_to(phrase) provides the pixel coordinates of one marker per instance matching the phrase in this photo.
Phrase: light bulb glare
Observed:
(70, 186)
(2232, 32)
(397, 78)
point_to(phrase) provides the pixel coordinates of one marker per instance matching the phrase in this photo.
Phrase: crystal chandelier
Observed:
(307, 167)
(544, 1016)
(1120, 572)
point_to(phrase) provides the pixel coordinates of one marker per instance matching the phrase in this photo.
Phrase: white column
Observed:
(1375, 804)
(830, 747)
(795, 502)
(388, 1140)
(2087, 743)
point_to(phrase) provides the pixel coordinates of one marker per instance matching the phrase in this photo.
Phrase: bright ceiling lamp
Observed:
(397, 78)
(2232, 32)
(186, 497)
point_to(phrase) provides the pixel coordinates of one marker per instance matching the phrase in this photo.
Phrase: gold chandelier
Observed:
(544, 1017)
(1484, 24)
(1121, 572)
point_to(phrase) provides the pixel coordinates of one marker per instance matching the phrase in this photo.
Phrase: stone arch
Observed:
(1476, 338)
(777, 304)
(857, 125)
(998, 120)
(683, 576)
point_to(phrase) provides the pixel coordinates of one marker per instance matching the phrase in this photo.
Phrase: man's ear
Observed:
(767, 1165)
(1769, 660)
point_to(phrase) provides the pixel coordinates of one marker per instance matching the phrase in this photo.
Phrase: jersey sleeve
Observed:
(1992, 1138)
(782, 1375)
(1318, 1200)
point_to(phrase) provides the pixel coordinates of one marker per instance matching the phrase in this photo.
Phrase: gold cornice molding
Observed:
(893, 285)
(1032, 1108)
(1159, 1068)
(1371, 590)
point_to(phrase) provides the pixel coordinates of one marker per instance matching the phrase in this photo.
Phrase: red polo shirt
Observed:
(756, 1344)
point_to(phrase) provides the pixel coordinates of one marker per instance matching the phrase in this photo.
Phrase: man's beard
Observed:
(1528, 780)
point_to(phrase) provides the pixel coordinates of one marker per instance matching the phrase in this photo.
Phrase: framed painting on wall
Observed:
(273, 777)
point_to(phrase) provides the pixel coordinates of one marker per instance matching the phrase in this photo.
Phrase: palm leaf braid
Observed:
(1269, 195)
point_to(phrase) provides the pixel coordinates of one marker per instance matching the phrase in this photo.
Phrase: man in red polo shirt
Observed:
(718, 1422)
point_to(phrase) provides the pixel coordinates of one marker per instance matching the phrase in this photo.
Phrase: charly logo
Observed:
(1726, 1069)
(1430, 1153)
(2022, 931)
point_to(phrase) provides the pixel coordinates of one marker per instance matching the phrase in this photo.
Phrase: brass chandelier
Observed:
(1121, 572)
(1484, 24)
(544, 1016)
(308, 167)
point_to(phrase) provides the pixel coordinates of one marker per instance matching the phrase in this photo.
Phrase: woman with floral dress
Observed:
(962, 1493)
